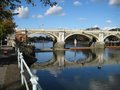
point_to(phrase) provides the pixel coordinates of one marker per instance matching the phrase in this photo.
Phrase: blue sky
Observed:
(70, 14)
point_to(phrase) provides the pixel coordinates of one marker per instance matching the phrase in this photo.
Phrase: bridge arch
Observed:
(53, 36)
(91, 35)
(88, 36)
(114, 35)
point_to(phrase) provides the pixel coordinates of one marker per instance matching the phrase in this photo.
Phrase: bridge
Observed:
(59, 36)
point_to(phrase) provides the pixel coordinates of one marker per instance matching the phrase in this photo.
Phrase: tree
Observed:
(6, 20)
(115, 29)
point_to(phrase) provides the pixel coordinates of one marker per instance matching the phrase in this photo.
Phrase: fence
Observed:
(25, 69)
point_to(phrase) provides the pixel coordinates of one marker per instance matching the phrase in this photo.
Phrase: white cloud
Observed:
(114, 2)
(108, 21)
(39, 16)
(55, 10)
(23, 12)
(111, 2)
(77, 3)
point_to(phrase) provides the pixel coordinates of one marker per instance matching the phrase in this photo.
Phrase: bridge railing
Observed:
(25, 69)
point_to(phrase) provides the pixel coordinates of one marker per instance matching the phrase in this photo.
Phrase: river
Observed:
(96, 69)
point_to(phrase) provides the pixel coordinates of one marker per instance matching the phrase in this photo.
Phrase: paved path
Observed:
(2, 75)
(9, 72)
(12, 78)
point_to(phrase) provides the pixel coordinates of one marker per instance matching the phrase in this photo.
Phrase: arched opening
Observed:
(112, 40)
(77, 40)
(41, 40)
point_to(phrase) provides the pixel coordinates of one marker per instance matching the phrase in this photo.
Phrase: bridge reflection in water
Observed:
(96, 69)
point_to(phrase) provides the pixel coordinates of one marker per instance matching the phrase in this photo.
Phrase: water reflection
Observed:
(97, 69)
(66, 58)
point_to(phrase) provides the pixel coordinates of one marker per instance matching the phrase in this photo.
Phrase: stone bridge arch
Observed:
(111, 35)
(77, 34)
(53, 36)
(90, 36)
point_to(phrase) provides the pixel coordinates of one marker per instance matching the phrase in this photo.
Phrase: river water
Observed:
(96, 69)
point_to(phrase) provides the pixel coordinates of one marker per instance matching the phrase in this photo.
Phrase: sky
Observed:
(70, 14)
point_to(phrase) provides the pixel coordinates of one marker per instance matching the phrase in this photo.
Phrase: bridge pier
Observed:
(98, 45)
(59, 45)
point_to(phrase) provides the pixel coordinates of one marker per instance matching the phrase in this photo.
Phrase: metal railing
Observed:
(25, 69)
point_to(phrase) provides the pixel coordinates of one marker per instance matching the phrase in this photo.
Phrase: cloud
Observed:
(108, 21)
(77, 3)
(55, 10)
(23, 12)
(39, 16)
(110, 2)
(114, 2)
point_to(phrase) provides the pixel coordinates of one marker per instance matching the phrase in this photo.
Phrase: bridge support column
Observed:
(60, 41)
(59, 45)
(100, 43)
